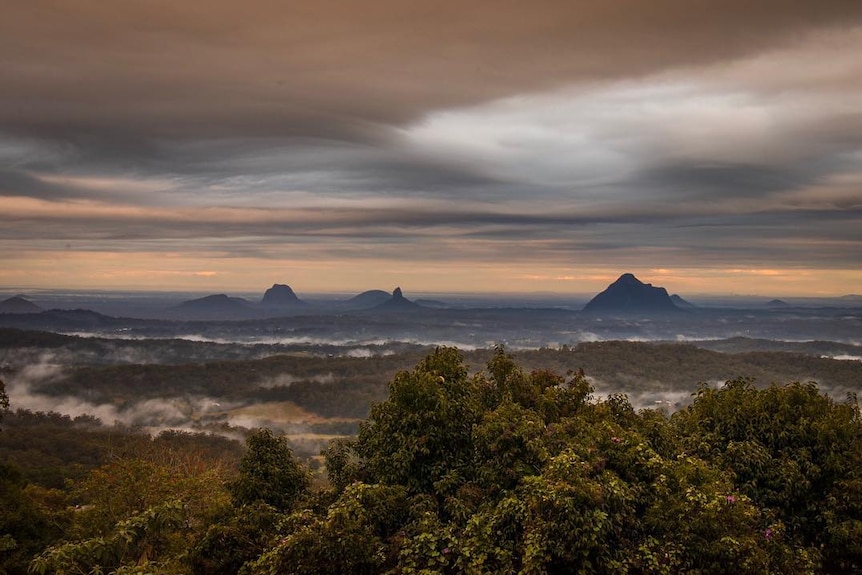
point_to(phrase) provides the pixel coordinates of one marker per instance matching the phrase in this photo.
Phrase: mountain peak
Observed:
(629, 295)
(18, 304)
(397, 303)
(279, 295)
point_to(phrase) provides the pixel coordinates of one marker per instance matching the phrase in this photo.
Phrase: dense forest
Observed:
(511, 468)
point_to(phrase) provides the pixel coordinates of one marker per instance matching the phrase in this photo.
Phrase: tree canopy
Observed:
(503, 471)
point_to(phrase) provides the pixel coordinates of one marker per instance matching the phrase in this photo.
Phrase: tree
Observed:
(148, 542)
(26, 526)
(795, 453)
(348, 539)
(141, 512)
(421, 437)
(242, 535)
(4, 399)
(509, 445)
(268, 472)
(341, 465)
(129, 486)
(270, 482)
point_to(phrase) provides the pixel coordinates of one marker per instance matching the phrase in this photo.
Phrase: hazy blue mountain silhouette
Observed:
(215, 302)
(280, 295)
(369, 299)
(397, 302)
(679, 302)
(629, 295)
(18, 304)
(213, 307)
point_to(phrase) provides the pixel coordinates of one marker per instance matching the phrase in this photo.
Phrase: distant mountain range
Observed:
(280, 300)
(627, 295)
(627, 309)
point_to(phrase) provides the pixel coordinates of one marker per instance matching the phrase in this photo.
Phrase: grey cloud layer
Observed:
(194, 69)
(706, 132)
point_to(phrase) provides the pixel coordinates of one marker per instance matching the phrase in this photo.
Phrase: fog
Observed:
(286, 380)
(28, 367)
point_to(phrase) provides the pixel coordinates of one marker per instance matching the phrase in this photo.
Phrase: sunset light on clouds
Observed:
(446, 146)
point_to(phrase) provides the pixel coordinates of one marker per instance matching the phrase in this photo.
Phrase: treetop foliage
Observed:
(269, 473)
(505, 471)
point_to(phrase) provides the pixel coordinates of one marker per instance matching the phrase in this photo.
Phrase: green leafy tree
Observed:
(149, 542)
(342, 465)
(509, 445)
(270, 482)
(421, 437)
(794, 452)
(128, 486)
(234, 539)
(349, 539)
(139, 513)
(269, 472)
(27, 522)
(427, 546)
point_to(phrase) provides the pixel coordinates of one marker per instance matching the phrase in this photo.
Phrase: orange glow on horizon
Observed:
(178, 272)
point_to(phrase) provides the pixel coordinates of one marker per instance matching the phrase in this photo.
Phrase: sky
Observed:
(443, 146)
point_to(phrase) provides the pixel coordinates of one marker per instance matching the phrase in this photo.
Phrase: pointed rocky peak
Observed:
(629, 295)
(397, 303)
(628, 279)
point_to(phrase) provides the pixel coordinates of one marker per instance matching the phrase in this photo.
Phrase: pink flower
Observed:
(768, 533)
(616, 439)
(445, 550)
(730, 499)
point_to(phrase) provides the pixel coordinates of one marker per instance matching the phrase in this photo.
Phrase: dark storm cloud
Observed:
(317, 91)
(15, 183)
(693, 179)
(91, 72)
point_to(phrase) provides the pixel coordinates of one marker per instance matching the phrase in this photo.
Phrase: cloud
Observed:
(337, 66)
(560, 134)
